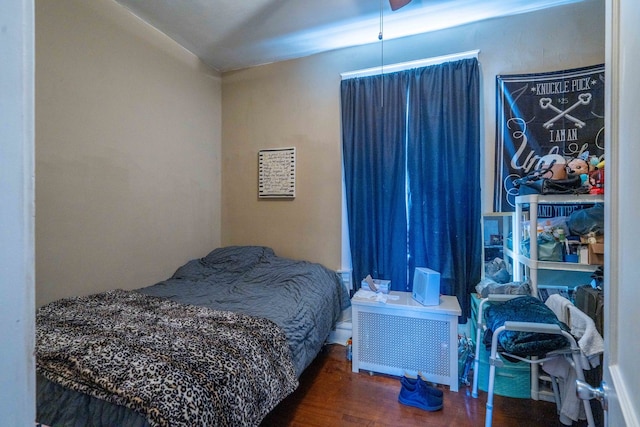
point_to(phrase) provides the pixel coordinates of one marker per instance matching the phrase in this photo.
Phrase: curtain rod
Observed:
(392, 68)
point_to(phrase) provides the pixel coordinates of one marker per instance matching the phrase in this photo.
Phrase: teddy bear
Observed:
(578, 166)
(586, 167)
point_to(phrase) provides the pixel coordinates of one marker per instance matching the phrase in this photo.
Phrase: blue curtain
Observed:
(443, 166)
(373, 126)
(411, 151)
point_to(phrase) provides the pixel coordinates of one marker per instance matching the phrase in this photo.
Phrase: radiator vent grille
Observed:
(404, 342)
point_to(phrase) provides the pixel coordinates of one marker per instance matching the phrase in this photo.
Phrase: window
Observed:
(411, 150)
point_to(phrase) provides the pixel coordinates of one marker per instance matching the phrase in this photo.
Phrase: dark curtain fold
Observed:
(444, 175)
(411, 157)
(373, 127)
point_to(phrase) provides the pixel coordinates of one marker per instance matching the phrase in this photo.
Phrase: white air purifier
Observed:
(426, 286)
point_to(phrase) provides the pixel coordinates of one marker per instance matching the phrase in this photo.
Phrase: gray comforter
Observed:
(304, 299)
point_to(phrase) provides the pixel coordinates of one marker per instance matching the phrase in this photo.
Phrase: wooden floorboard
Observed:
(331, 395)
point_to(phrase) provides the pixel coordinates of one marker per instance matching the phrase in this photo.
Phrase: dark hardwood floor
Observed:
(331, 395)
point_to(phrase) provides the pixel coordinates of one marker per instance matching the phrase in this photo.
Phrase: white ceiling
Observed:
(233, 34)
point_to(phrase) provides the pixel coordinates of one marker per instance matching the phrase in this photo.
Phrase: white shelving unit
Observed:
(531, 263)
(529, 266)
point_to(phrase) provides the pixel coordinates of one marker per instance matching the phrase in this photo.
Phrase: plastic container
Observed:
(382, 286)
(571, 257)
(511, 380)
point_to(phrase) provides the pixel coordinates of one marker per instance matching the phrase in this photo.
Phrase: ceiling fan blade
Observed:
(397, 4)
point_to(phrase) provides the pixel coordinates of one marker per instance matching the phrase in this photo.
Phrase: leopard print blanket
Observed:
(178, 365)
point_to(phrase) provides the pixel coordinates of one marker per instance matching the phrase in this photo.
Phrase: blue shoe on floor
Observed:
(419, 396)
(411, 383)
(419, 399)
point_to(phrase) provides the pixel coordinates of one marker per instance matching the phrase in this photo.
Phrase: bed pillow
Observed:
(240, 257)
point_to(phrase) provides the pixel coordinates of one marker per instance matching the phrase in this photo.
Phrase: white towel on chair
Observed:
(589, 339)
(582, 327)
(560, 307)
(591, 344)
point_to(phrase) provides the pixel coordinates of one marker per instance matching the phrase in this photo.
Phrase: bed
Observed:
(221, 342)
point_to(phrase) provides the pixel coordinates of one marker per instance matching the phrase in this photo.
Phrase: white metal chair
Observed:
(572, 351)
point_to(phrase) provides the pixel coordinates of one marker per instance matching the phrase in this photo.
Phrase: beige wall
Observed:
(128, 130)
(288, 104)
(144, 159)
(297, 104)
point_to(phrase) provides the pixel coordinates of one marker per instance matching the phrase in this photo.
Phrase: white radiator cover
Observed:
(402, 336)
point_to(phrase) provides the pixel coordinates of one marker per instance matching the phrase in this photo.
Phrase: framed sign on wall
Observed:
(277, 173)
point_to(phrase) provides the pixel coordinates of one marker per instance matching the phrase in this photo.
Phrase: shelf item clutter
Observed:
(528, 264)
(527, 209)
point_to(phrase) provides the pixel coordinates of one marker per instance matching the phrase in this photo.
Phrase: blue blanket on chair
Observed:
(523, 309)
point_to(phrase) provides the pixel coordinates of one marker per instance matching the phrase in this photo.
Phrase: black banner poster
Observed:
(547, 114)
